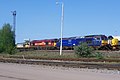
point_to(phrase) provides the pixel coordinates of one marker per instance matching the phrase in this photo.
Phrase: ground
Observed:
(10, 71)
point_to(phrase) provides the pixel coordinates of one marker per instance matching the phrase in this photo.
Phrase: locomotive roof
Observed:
(94, 35)
(44, 40)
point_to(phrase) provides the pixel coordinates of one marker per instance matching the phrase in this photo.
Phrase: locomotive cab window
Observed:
(98, 38)
(46, 43)
(104, 38)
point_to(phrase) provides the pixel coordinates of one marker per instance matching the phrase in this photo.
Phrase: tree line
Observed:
(7, 39)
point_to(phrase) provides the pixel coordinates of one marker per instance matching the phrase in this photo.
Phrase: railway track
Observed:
(73, 64)
(72, 51)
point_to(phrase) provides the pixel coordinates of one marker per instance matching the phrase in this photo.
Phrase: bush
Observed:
(83, 50)
(99, 55)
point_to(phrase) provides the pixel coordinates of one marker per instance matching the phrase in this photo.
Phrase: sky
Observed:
(41, 19)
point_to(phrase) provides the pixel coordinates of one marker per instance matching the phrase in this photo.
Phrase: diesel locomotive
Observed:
(96, 41)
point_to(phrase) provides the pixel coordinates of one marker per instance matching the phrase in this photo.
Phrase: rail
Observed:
(73, 64)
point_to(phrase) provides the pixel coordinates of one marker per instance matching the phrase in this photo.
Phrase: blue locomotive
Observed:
(96, 41)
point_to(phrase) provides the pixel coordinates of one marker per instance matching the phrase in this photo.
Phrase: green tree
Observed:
(7, 40)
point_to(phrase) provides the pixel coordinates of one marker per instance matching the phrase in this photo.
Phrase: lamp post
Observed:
(62, 24)
(14, 22)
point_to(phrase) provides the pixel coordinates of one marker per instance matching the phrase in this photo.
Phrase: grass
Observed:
(54, 55)
(40, 55)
